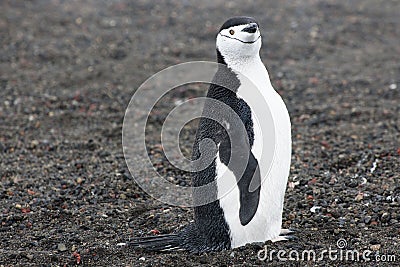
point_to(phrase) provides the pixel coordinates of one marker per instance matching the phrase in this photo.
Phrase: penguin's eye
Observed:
(232, 32)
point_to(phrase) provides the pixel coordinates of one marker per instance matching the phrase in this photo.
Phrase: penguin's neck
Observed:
(253, 68)
(241, 64)
(237, 62)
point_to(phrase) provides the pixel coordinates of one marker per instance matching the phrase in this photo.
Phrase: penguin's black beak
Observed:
(252, 28)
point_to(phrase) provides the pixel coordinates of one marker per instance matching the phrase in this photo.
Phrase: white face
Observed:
(239, 41)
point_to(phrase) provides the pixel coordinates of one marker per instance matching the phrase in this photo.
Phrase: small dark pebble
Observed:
(367, 219)
(385, 217)
(118, 54)
(127, 176)
(303, 182)
(203, 260)
(374, 241)
(92, 145)
(29, 256)
(352, 183)
(104, 154)
(34, 243)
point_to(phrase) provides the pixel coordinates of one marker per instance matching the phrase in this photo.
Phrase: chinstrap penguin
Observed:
(242, 216)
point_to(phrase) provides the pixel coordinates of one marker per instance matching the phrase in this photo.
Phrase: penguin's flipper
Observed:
(249, 189)
(166, 242)
(239, 158)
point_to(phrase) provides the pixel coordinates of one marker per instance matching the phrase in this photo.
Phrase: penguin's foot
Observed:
(287, 231)
(284, 238)
(285, 235)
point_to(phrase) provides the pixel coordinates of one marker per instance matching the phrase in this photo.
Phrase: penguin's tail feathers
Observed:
(163, 243)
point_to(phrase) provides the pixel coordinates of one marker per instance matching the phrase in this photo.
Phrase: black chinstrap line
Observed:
(252, 42)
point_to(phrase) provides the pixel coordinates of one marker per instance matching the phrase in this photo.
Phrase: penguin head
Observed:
(238, 38)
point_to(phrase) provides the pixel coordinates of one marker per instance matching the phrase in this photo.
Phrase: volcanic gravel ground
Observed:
(69, 68)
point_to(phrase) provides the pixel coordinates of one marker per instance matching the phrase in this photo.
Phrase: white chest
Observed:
(269, 114)
(272, 149)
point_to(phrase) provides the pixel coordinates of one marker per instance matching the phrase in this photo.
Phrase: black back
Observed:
(209, 219)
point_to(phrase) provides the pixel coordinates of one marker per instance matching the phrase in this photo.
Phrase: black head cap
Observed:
(235, 21)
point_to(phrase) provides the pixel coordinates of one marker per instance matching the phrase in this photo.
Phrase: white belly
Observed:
(266, 223)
